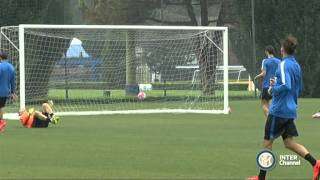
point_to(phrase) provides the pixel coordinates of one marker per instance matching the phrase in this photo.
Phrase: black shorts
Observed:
(276, 126)
(38, 123)
(265, 94)
(3, 101)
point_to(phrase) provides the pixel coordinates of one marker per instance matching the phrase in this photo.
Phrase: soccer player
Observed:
(268, 71)
(7, 85)
(285, 89)
(36, 119)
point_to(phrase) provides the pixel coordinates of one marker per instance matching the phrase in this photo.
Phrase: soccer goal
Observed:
(100, 69)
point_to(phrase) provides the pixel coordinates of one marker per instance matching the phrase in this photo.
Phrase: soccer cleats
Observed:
(316, 171)
(55, 119)
(31, 111)
(3, 124)
(253, 178)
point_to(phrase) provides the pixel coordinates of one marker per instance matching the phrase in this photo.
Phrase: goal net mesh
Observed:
(105, 69)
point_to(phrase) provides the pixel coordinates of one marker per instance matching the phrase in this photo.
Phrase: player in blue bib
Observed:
(7, 85)
(268, 71)
(285, 89)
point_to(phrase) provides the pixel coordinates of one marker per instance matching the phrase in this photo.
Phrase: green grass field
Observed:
(164, 146)
(95, 100)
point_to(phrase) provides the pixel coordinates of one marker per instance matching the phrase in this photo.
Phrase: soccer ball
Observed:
(141, 95)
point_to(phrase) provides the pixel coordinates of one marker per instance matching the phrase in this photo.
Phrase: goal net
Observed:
(101, 69)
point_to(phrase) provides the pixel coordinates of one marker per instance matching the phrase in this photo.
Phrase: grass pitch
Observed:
(166, 146)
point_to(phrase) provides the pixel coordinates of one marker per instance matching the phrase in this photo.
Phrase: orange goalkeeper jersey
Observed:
(26, 119)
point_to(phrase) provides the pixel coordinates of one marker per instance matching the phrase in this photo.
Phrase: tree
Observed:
(117, 12)
(207, 62)
(35, 12)
(120, 12)
(274, 21)
(298, 19)
(170, 20)
(133, 12)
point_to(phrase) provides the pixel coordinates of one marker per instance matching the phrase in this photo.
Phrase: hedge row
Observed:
(108, 100)
(155, 86)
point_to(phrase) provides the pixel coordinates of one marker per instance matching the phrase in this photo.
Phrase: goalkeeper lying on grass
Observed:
(36, 119)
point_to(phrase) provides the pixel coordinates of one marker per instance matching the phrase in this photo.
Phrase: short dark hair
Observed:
(290, 44)
(270, 49)
(3, 55)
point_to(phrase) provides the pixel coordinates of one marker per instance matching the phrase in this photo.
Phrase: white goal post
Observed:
(160, 50)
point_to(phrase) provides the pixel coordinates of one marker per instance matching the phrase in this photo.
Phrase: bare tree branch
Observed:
(204, 13)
